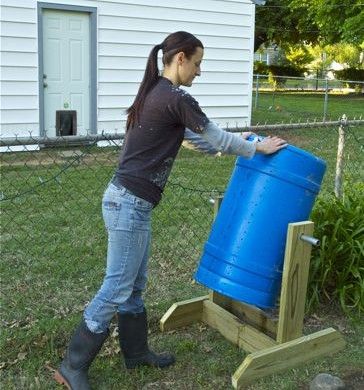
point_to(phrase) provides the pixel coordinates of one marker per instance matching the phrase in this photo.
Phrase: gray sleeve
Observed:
(195, 141)
(226, 142)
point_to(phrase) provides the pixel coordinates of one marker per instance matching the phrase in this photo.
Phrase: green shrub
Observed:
(351, 74)
(260, 67)
(276, 71)
(337, 266)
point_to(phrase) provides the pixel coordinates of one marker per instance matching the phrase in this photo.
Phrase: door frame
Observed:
(92, 11)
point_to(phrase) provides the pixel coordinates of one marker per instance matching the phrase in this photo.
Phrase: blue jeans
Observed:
(128, 222)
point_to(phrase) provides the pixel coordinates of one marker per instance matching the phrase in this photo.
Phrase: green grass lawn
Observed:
(53, 247)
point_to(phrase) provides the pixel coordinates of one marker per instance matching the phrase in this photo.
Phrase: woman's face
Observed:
(189, 68)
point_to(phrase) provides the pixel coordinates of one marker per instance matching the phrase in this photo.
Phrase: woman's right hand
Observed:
(270, 145)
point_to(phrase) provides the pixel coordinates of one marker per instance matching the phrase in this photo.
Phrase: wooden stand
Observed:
(273, 344)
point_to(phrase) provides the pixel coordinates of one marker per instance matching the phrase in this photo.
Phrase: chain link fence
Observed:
(51, 197)
(305, 98)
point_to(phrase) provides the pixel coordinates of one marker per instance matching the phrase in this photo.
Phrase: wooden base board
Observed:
(235, 330)
(183, 313)
(250, 314)
(287, 355)
(234, 319)
(186, 312)
(267, 355)
(230, 326)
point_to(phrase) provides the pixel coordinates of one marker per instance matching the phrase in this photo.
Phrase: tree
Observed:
(275, 22)
(336, 20)
(299, 56)
(321, 60)
(344, 53)
(310, 21)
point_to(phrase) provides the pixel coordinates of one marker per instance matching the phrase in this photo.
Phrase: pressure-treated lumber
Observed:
(251, 328)
(294, 282)
(230, 326)
(287, 355)
(183, 313)
(233, 329)
(252, 315)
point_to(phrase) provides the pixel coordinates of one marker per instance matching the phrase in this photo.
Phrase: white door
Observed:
(66, 64)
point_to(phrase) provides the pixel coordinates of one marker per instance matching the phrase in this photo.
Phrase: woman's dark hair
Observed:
(179, 41)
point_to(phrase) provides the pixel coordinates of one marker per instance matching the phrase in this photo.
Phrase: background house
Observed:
(89, 56)
(268, 55)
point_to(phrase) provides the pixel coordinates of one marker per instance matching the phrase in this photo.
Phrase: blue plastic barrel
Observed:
(243, 256)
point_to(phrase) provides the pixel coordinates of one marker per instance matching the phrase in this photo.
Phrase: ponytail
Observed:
(151, 76)
(180, 41)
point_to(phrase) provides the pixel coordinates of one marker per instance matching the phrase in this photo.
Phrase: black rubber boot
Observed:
(133, 337)
(82, 350)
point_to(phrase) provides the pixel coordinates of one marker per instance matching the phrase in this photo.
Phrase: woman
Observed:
(155, 130)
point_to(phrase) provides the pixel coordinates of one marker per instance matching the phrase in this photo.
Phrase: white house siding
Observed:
(19, 68)
(127, 30)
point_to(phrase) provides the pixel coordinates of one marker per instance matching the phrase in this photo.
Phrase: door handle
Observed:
(45, 85)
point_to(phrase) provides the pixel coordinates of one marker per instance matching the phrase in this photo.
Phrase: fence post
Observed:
(256, 92)
(340, 158)
(274, 91)
(326, 99)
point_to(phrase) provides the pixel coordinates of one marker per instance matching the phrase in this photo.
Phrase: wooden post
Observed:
(294, 282)
(217, 204)
(256, 92)
(326, 98)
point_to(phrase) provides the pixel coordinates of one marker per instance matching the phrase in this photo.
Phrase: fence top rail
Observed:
(307, 79)
(301, 125)
(61, 140)
(67, 140)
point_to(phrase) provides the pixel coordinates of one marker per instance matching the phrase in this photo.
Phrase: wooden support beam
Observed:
(251, 315)
(234, 319)
(233, 329)
(294, 282)
(183, 313)
(217, 204)
(287, 355)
